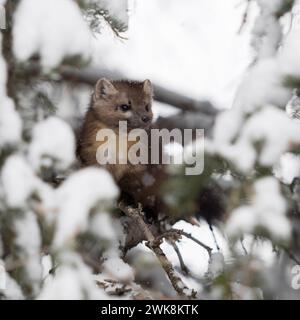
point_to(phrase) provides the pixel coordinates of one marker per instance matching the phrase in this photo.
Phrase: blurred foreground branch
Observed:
(188, 120)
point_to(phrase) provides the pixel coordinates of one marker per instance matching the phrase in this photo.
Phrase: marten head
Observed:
(115, 101)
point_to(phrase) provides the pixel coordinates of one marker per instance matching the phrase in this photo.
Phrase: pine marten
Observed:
(112, 102)
(115, 101)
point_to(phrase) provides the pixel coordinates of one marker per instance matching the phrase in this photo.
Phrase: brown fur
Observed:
(105, 112)
(133, 180)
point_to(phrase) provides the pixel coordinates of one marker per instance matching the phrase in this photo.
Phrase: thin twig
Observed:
(189, 236)
(243, 246)
(183, 267)
(114, 288)
(245, 17)
(154, 244)
(214, 236)
(292, 256)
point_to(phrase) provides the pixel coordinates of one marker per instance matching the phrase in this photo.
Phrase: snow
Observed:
(3, 77)
(293, 107)
(267, 210)
(64, 286)
(288, 56)
(219, 58)
(264, 82)
(43, 27)
(262, 85)
(80, 193)
(10, 121)
(12, 290)
(255, 117)
(102, 226)
(163, 110)
(117, 269)
(19, 183)
(261, 248)
(54, 139)
(18, 180)
(196, 257)
(216, 265)
(242, 220)
(47, 265)
(288, 168)
(28, 233)
(73, 280)
(269, 6)
(242, 292)
(227, 126)
(276, 137)
(116, 8)
(28, 241)
(267, 30)
(193, 55)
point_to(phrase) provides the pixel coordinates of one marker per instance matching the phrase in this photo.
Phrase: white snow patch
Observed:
(12, 290)
(81, 192)
(267, 210)
(216, 264)
(288, 168)
(116, 268)
(73, 280)
(102, 226)
(18, 180)
(271, 128)
(262, 85)
(288, 58)
(28, 240)
(117, 8)
(10, 121)
(52, 28)
(54, 139)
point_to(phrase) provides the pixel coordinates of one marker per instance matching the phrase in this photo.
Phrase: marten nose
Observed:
(145, 118)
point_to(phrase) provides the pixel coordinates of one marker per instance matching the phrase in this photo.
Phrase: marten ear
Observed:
(147, 87)
(104, 89)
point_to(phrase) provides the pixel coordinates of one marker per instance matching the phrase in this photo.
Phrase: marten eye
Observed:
(147, 108)
(125, 107)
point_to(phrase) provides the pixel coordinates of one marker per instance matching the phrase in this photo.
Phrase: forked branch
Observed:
(136, 214)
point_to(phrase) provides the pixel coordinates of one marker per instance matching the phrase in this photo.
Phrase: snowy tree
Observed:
(252, 146)
(63, 232)
(42, 246)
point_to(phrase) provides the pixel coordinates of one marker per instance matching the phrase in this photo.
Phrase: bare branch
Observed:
(292, 256)
(245, 16)
(189, 236)
(214, 236)
(90, 76)
(189, 120)
(183, 102)
(114, 288)
(154, 244)
(183, 267)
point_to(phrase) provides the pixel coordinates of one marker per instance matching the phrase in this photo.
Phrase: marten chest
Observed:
(106, 146)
